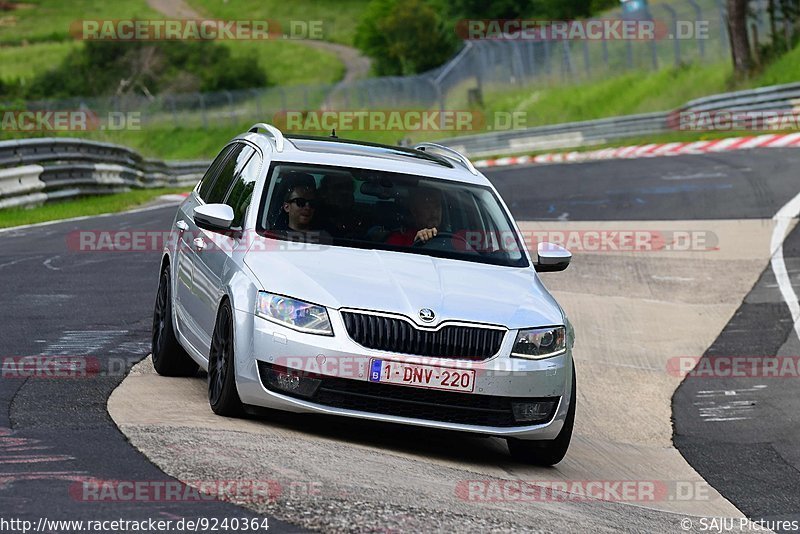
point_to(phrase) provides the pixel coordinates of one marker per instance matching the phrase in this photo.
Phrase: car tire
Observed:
(169, 357)
(546, 452)
(222, 394)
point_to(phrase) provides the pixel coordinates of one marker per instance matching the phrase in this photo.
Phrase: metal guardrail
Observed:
(779, 98)
(569, 135)
(33, 171)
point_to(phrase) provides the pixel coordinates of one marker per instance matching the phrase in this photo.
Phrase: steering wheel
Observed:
(446, 235)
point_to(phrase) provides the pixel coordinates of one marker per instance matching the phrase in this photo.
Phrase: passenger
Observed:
(426, 212)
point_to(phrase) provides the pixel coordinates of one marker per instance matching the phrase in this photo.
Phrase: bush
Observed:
(403, 37)
(113, 67)
(12, 89)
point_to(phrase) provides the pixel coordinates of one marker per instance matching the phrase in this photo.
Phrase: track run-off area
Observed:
(675, 259)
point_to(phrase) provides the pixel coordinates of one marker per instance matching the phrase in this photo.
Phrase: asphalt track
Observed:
(61, 302)
(733, 185)
(741, 433)
(56, 432)
(750, 453)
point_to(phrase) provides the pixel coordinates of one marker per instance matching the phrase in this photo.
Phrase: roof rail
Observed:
(277, 136)
(449, 153)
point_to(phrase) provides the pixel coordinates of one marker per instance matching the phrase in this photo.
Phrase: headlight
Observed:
(293, 313)
(538, 343)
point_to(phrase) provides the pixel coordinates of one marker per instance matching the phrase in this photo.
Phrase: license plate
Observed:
(422, 376)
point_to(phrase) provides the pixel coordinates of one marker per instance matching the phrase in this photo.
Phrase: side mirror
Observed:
(552, 258)
(214, 217)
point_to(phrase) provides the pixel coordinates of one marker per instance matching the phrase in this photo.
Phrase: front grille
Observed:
(416, 403)
(396, 335)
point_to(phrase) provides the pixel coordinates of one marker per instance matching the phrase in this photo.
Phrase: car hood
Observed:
(404, 283)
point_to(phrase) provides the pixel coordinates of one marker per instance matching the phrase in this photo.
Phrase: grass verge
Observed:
(634, 92)
(291, 63)
(337, 17)
(81, 207)
(49, 20)
(24, 62)
(36, 36)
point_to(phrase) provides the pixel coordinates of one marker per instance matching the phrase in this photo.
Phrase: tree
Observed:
(403, 37)
(740, 43)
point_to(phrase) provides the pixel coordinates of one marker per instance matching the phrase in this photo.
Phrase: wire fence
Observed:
(697, 27)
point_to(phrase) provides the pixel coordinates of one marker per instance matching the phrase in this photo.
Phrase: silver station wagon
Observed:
(314, 274)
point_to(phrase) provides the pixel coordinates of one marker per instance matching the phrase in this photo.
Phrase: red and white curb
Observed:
(178, 197)
(653, 150)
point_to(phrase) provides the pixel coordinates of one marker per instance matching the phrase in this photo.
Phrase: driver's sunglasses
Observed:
(302, 202)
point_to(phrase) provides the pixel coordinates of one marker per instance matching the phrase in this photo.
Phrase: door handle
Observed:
(199, 244)
(182, 226)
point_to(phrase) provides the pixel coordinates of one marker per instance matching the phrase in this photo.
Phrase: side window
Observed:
(242, 191)
(208, 178)
(238, 157)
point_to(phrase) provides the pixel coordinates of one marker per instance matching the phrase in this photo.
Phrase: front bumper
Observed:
(343, 366)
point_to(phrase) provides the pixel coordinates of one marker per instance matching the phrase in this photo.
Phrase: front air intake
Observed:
(392, 334)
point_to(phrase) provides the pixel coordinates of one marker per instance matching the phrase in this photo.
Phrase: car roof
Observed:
(359, 154)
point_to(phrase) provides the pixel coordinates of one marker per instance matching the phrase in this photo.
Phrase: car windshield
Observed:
(381, 210)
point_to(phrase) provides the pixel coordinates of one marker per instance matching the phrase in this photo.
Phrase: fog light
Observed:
(533, 412)
(288, 381)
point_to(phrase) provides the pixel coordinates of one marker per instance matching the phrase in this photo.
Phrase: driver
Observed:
(426, 212)
(297, 212)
